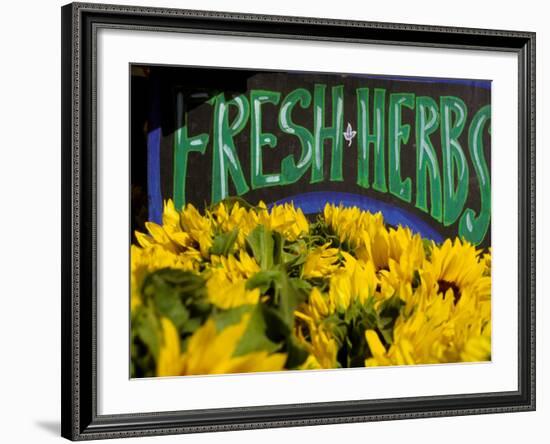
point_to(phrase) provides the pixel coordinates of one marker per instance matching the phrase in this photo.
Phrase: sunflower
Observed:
(163, 246)
(321, 262)
(316, 309)
(357, 280)
(478, 348)
(322, 347)
(153, 258)
(226, 293)
(236, 217)
(226, 280)
(455, 267)
(198, 227)
(285, 219)
(419, 339)
(210, 351)
(170, 234)
(346, 290)
(352, 225)
(236, 268)
(437, 329)
(405, 258)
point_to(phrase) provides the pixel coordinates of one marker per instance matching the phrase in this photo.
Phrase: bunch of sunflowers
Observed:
(247, 289)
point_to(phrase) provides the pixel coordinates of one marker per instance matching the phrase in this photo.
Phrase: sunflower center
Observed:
(445, 285)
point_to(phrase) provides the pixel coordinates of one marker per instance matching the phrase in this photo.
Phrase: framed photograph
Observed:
(276, 221)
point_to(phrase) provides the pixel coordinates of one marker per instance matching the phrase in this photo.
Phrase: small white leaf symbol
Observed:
(349, 134)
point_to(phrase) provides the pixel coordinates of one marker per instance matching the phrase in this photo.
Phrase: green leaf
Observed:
(288, 292)
(387, 335)
(261, 242)
(294, 254)
(391, 307)
(415, 280)
(185, 283)
(191, 326)
(296, 354)
(254, 337)
(348, 329)
(303, 287)
(427, 248)
(262, 280)
(337, 327)
(277, 329)
(268, 331)
(289, 297)
(178, 295)
(147, 328)
(142, 361)
(169, 305)
(222, 245)
(389, 312)
(278, 245)
(225, 318)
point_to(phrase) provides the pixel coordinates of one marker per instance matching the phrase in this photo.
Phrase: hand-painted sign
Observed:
(417, 149)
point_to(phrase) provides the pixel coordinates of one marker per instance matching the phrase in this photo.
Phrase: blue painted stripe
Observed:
(314, 202)
(474, 83)
(154, 193)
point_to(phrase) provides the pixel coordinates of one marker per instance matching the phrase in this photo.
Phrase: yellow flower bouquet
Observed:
(244, 288)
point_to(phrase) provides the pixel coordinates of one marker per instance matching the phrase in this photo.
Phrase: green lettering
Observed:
(427, 121)
(321, 132)
(258, 139)
(290, 170)
(470, 227)
(365, 138)
(225, 160)
(455, 166)
(398, 133)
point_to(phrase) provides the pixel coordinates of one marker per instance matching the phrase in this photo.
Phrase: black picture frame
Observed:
(80, 22)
